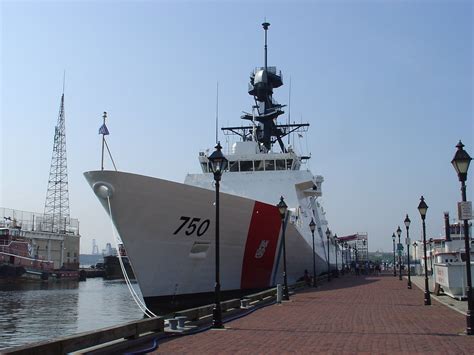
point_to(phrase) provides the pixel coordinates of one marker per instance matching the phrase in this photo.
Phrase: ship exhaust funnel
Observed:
(447, 227)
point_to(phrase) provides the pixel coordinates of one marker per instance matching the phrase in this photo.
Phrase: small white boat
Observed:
(450, 265)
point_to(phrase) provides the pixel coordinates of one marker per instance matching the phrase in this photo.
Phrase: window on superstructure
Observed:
(289, 163)
(259, 165)
(280, 164)
(269, 164)
(204, 167)
(246, 165)
(234, 166)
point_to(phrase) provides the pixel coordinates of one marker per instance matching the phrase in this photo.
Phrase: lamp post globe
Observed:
(218, 161)
(328, 234)
(218, 164)
(422, 208)
(407, 226)
(282, 208)
(312, 227)
(394, 264)
(461, 163)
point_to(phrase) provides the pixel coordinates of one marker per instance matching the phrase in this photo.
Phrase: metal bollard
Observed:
(181, 320)
(244, 303)
(279, 293)
(173, 323)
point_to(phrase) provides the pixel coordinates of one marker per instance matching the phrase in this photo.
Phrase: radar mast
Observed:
(264, 129)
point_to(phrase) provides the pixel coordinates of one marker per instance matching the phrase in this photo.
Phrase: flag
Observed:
(103, 130)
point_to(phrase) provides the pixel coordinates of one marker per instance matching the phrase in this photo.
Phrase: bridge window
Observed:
(259, 165)
(280, 164)
(246, 165)
(269, 164)
(234, 166)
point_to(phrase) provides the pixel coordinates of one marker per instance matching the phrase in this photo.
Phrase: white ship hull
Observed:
(173, 256)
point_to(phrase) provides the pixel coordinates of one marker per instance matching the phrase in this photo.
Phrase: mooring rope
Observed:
(135, 297)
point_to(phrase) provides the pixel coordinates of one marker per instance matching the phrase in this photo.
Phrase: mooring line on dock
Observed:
(135, 297)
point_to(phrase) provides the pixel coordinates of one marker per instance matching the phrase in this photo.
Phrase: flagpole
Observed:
(103, 141)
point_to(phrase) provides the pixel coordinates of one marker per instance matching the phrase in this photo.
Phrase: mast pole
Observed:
(104, 116)
(265, 27)
(217, 112)
(289, 109)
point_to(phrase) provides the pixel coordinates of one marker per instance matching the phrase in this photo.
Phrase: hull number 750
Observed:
(193, 226)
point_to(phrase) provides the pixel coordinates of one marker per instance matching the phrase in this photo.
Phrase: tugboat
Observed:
(168, 228)
(17, 259)
(112, 267)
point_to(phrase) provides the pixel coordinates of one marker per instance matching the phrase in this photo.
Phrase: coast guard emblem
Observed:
(261, 249)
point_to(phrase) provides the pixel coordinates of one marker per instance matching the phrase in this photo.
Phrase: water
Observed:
(35, 311)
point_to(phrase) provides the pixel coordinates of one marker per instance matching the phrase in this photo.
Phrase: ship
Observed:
(168, 228)
(446, 260)
(113, 268)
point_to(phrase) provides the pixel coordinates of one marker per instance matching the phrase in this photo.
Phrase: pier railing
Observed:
(90, 339)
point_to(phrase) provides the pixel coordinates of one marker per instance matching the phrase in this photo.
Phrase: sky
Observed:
(387, 87)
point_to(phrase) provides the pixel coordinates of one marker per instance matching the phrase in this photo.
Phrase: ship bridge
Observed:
(246, 156)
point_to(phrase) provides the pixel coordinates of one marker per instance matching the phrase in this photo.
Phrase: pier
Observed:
(351, 314)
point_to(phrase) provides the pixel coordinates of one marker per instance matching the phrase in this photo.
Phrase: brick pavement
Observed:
(353, 314)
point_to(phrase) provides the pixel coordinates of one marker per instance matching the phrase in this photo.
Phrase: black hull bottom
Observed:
(162, 305)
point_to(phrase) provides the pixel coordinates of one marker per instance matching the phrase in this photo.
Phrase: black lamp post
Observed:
(328, 234)
(348, 255)
(364, 243)
(335, 252)
(399, 233)
(282, 207)
(423, 207)
(341, 244)
(394, 265)
(312, 227)
(431, 255)
(407, 225)
(218, 164)
(350, 258)
(415, 246)
(356, 251)
(461, 163)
